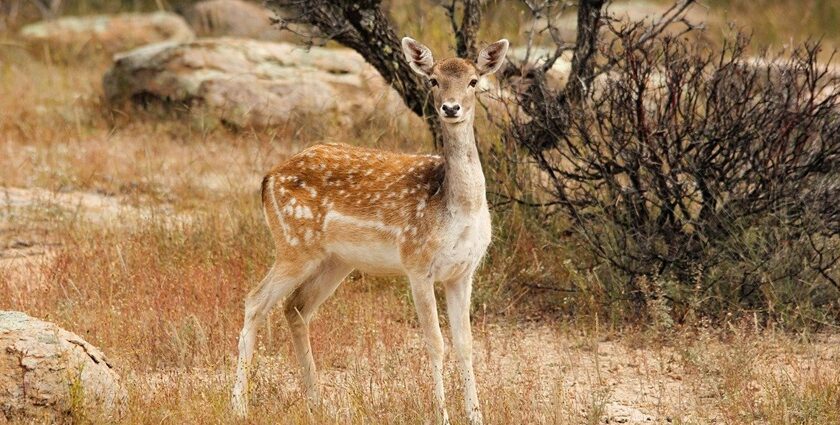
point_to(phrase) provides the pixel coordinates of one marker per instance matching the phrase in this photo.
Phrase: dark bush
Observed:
(711, 173)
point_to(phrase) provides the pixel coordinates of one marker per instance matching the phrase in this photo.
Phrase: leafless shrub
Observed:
(686, 157)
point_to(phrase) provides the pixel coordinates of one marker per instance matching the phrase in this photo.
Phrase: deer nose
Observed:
(450, 109)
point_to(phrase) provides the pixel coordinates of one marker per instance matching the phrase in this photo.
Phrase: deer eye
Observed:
(433, 82)
(473, 82)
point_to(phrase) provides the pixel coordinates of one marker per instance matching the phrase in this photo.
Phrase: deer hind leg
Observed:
(458, 294)
(299, 309)
(423, 293)
(281, 280)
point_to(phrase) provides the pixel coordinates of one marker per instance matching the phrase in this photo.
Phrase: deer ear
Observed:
(492, 57)
(418, 56)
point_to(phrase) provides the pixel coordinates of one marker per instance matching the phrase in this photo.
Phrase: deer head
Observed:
(453, 81)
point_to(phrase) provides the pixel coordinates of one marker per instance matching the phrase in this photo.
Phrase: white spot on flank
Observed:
(302, 211)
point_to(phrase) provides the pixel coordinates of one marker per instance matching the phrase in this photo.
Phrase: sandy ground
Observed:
(587, 376)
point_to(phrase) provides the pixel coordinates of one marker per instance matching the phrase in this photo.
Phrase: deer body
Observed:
(335, 208)
(379, 212)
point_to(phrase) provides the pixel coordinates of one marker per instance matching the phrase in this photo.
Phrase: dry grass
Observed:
(164, 303)
(159, 283)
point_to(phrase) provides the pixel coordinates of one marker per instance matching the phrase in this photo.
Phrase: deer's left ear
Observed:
(492, 57)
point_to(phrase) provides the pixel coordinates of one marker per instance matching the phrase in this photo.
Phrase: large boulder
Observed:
(233, 18)
(249, 83)
(47, 373)
(524, 60)
(78, 37)
(623, 11)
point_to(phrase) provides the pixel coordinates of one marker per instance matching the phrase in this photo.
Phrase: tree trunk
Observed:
(586, 46)
(364, 27)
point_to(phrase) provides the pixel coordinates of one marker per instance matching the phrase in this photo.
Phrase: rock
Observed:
(78, 37)
(615, 413)
(521, 75)
(622, 11)
(47, 373)
(249, 83)
(233, 18)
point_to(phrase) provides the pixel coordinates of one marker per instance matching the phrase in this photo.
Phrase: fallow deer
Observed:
(335, 208)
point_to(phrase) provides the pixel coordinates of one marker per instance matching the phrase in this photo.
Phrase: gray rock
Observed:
(47, 373)
(249, 83)
(77, 37)
(615, 413)
(233, 18)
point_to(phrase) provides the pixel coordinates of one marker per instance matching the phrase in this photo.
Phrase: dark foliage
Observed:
(712, 170)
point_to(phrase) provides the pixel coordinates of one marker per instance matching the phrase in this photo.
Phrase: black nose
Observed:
(450, 111)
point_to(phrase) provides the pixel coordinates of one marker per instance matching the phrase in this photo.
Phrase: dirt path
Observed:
(558, 377)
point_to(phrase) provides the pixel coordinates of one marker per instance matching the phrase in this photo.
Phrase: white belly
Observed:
(370, 246)
(375, 257)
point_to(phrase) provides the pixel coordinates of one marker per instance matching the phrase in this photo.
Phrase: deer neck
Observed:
(463, 185)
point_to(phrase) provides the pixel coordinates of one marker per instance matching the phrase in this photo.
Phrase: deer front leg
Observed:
(458, 294)
(422, 290)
